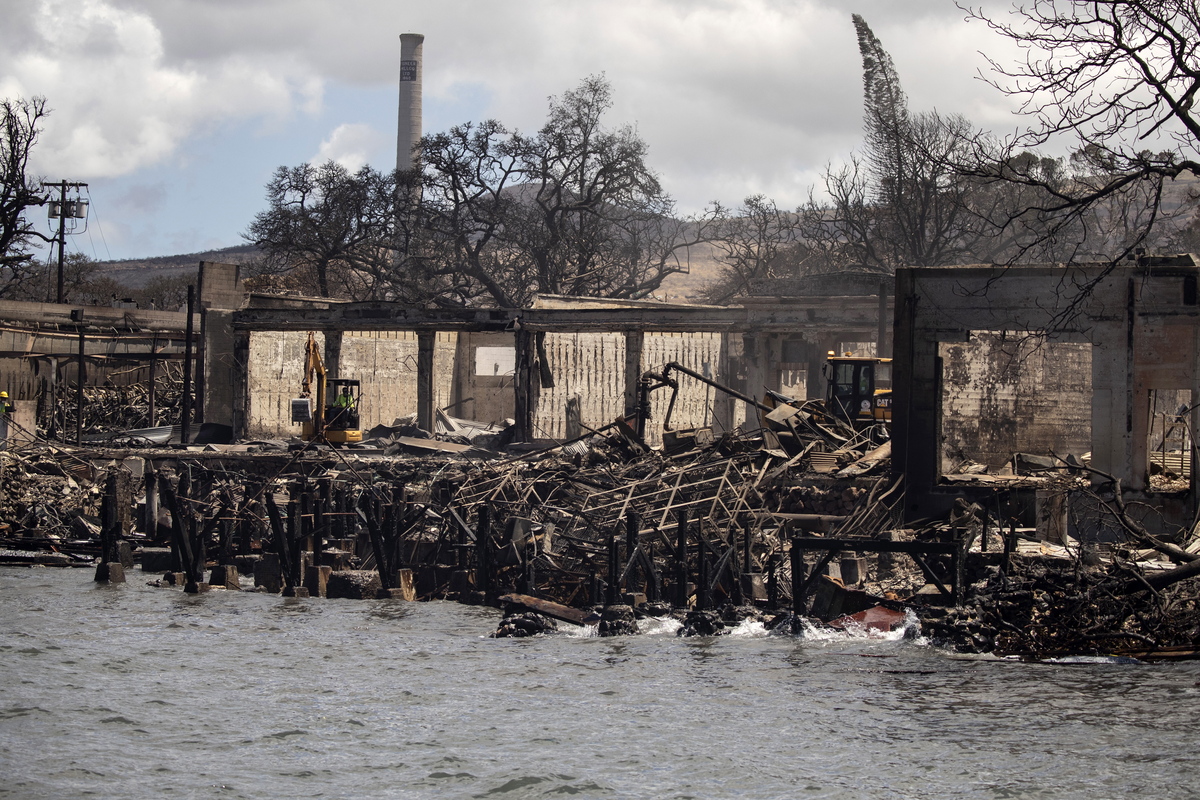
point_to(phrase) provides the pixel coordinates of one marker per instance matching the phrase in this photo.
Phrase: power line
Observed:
(99, 226)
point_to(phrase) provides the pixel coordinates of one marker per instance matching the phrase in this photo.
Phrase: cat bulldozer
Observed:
(327, 408)
(860, 389)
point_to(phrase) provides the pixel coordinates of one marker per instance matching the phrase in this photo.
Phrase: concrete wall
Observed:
(1141, 322)
(385, 362)
(483, 388)
(273, 373)
(590, 365)
(695, 405)
(1006, 394)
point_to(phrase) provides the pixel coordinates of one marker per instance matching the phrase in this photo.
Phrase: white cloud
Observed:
(733, 96)
(118, 104)
(350, 145)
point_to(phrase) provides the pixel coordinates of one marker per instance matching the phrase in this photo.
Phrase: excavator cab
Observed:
(341, 411)
(860, 389)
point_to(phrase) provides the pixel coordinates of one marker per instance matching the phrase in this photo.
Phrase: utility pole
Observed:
(74, 210)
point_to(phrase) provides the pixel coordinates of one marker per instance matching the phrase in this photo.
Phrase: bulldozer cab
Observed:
(860, 388)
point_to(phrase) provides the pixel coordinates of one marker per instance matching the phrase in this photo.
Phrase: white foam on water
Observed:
(1092, 660)
(750, 628)
(910, 630)
(659, 626)
(578, 631)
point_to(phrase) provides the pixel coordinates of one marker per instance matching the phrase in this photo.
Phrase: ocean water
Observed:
(137, 692)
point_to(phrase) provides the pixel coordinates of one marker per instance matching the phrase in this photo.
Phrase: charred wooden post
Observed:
(186, 419)
(632, 550)
(225, 548)
(612, 593)
(294, 535)
(199, 548)
(279, 535)
(773, 580)
(530, 574)
(114, 512)
(681, 551)
(483, 552)
(734, 571)
(960, 565)
(340, 512)
(799, 582)
(703, 585)
(179, 538)
(1010, 544)
(80, 377)
(323, 507)
(150, 509)
(399, 508)
(369, 513)
(308, 518)
(246, 520)
(152, 411)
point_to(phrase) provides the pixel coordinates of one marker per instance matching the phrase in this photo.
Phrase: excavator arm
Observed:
(314, 376)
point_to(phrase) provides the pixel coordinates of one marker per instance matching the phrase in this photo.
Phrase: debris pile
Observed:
(799, 519)
(1039, 610)
(112, 408)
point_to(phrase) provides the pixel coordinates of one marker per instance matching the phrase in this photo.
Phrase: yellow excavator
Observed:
(860, 388)
(327, 408)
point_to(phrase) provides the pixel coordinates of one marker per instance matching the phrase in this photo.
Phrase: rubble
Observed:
(602, 531)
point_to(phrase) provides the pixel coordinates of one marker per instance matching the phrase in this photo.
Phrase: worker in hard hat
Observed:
(5, 405)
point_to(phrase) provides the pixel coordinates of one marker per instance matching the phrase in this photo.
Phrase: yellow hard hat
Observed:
(4, 395)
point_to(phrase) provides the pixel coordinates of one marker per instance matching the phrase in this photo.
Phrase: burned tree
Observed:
(573, 209)
(20, 120)
(902, 201)
(325, 223)
(1106, 75)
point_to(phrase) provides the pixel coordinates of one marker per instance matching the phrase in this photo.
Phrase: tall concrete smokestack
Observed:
(408, 131)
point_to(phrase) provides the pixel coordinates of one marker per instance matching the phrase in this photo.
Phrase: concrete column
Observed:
(464, 373)
(526, 385)
(818, 356)
(333, 354)
(916, 409)
(218, 369)
(883, 344)
(724, 407)
(239, 384)
(761, 353)
(425, 383)
(1112, 399)
(18, 427)
(633, 367)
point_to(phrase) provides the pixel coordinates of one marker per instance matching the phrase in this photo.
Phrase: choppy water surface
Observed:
(135, 692)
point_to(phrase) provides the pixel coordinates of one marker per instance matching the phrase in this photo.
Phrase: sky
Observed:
(176, 112)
